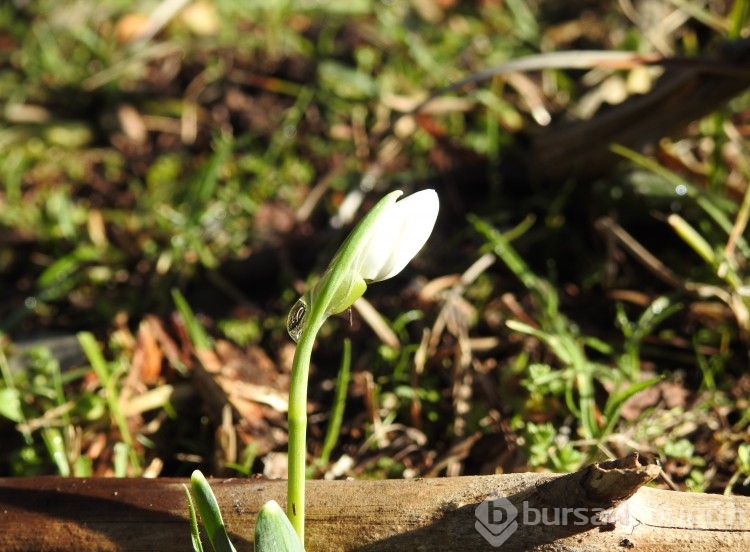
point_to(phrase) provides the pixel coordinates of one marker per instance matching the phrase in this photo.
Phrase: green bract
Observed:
(380, 247)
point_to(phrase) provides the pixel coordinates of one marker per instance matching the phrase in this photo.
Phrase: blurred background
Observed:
(174, 174)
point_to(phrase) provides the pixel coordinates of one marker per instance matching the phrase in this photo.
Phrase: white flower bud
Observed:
(383, 243)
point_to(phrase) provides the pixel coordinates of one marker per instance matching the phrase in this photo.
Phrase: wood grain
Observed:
(48, 513)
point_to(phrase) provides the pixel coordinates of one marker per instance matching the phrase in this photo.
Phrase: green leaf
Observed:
(693, 238)
(346, 82)
(109, 383)
(743, 458)
(616, 401)
(210, 513)
(339, 402)
(559, 346)
(195, 536)
(274, 531)
(199, 337)
(682, 448)
(10, 405)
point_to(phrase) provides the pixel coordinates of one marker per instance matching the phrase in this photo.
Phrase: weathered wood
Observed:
(431, 514)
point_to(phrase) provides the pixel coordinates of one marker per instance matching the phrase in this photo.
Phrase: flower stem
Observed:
(295, 500)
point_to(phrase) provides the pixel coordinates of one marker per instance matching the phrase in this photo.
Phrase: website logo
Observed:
(496, 520)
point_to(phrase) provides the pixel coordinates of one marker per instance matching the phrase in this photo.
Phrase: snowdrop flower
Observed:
(381, 245)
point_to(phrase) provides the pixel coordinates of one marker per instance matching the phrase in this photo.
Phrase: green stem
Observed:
(338, 289)
(295, 500)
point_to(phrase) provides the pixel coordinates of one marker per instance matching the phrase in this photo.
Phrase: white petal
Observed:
(398, 235)
(378, 248)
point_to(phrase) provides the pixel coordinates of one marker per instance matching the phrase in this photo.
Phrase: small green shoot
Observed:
(210, 514)
(274, 531)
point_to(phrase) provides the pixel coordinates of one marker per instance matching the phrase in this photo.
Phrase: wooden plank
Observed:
(49, 513)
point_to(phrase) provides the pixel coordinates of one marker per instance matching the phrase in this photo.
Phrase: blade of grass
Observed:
(699, 244)
(121, 456)
(337, 412)
(740, 224)
(53, 440)
(693, 238)
(738, 18)
(500, 244)
(11, 399)
(199, 337)
(109, 384)
(195, 535)
(714, 207)
(659, 310)
(615, 402)
(555, 331)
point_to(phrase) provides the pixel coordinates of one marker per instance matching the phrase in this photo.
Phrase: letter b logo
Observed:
(496, 520)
